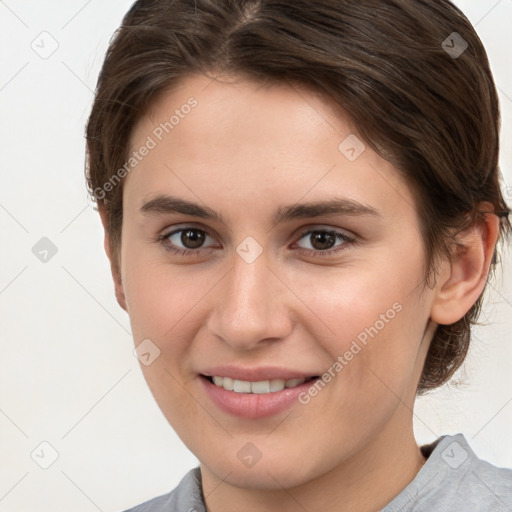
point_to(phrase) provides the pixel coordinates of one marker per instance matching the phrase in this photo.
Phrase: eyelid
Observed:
(324, 227)
(184, 225)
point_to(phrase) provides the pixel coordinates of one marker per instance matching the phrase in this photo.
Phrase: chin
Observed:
(274, 473)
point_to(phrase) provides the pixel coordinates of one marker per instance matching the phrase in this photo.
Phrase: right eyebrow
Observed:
(169, 204)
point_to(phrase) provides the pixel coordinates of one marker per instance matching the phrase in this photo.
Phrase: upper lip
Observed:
(256, 374)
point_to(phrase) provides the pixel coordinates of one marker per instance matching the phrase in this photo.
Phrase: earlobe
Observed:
(114, 266)
(463, 279)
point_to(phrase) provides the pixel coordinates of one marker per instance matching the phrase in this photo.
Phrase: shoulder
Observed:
(455, 478)
(473, 481)
(494, 483)
(186, 497)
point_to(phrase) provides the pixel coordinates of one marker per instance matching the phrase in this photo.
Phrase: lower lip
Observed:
(253, 405)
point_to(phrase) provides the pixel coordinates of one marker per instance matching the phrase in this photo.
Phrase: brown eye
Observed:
(322, 242)
(185, 241)
(192, 238)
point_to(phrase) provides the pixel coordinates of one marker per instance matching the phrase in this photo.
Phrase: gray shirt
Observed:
(452, 479)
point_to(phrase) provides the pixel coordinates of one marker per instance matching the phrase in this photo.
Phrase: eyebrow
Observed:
(163, 204)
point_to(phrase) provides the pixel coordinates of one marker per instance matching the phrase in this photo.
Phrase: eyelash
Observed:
(308, 252)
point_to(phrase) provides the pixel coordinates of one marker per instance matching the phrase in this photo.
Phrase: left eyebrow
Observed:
(337, 206)
(164, 204)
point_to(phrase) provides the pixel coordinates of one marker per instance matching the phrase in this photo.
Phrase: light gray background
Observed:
(68, 374)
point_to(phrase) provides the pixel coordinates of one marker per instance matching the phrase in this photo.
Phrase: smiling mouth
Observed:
(260, 387)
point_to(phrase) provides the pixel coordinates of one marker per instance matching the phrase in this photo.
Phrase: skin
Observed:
(243, 151)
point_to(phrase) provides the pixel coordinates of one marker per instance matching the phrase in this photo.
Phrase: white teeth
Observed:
(261, 387)
(277, 385)
(242, 386)
(227, 383)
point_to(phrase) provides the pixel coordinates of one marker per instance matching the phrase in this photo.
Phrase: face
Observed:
(233, 266)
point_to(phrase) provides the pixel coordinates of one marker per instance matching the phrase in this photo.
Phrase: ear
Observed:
(461, 281)
(114, 265)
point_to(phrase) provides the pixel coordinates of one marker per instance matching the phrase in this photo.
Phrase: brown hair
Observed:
(430, 111)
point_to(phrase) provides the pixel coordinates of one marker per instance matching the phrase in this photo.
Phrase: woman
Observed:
(301, 206)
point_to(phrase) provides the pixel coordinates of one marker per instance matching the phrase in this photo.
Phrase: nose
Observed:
(251, 305)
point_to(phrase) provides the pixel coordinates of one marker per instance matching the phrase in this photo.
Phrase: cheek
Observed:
(360, 301)
(369, 319)
(160, 301)
(165, 302)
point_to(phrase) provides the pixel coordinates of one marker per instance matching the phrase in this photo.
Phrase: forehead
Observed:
(287, 115)
(239, 140)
